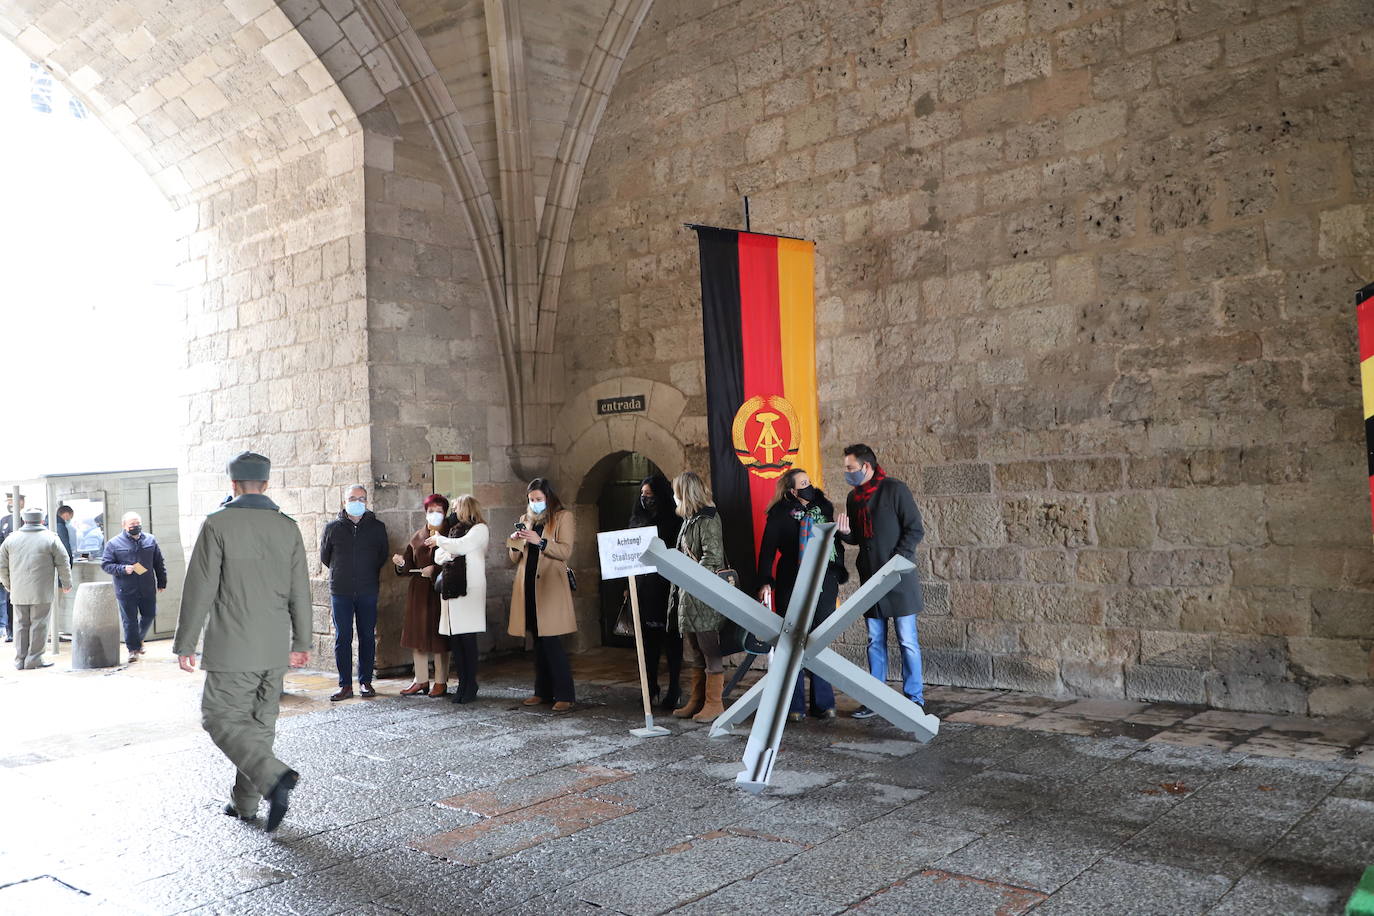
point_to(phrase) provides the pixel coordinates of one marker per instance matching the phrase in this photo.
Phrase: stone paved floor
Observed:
(109, 795)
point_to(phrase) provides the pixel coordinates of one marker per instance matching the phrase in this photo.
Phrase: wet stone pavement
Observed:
(111, 798)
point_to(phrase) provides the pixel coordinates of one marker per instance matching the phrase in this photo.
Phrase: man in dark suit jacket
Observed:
(883, 521)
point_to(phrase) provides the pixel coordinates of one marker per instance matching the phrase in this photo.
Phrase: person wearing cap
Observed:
(133, 559)
(420, 628)
(28, 559)
(247, 588)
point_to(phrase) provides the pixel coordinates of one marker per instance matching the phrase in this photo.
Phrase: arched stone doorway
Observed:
(621, 474)
(589, 448)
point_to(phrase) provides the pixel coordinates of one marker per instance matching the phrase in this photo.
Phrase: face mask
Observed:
(435, 519)
(854, 478)
(135, 530)
(355, 507)
(538, 507)
(807, 493)
(648, 502)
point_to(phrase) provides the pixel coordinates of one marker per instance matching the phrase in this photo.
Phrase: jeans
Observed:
(822, 694)
(5, 611)
(137, 612)
(911, 653)
(345, 608)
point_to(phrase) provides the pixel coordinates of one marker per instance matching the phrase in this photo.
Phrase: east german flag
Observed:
(1364, 318)
(762, 412)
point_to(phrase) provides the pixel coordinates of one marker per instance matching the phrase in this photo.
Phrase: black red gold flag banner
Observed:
(1364, 319)
(762, 408)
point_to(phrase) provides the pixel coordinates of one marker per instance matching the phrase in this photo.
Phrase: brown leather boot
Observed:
(715, 686)
(696, 698)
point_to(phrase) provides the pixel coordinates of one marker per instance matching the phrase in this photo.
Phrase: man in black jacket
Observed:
(882, 519)
(354, 548)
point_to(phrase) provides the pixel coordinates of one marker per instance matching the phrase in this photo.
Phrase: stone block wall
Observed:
(1084, 274)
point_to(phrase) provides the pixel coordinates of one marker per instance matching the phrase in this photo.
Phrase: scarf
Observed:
(862, 494)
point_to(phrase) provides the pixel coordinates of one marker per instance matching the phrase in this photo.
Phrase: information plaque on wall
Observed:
(452, 475)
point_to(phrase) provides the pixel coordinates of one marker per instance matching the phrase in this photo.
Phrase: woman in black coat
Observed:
(655, 508)
(797, 508)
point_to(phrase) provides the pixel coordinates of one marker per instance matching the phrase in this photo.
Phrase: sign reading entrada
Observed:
(630, 403)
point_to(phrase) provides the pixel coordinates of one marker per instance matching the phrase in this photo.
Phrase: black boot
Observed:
(673, 698)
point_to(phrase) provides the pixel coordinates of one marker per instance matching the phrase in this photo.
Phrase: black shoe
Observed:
(469, 692)
(672, 699)
(457, 696)
(863, 712)
(230, 810)
(824, 713)
(280, 798)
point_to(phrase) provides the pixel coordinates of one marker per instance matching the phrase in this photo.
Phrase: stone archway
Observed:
(587, 447)
(260, 152)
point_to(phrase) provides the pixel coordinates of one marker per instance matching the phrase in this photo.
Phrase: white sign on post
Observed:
(621, 553)
(621, 550)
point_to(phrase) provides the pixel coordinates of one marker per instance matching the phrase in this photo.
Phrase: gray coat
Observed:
(897, 530)
(28, 558)
(247, 587)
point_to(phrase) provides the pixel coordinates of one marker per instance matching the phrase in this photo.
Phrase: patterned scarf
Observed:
(862, 494)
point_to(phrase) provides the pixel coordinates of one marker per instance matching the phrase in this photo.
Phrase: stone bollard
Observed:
(95, 627)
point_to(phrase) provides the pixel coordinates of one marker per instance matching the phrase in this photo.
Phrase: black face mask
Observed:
(807, 493)
(135, 530)
(648, 502)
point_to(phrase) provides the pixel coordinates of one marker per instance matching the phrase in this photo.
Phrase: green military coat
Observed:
(702, 539)
(247, 588)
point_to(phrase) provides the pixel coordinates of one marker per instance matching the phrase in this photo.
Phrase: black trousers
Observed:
(552, 674)
(658, 642)
(464, 647)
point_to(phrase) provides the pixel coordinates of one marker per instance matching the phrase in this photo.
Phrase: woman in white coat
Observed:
(463, 588)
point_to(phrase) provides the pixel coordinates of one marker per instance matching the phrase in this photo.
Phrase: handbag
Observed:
(452, 581)
(572, 578)
(624, 621)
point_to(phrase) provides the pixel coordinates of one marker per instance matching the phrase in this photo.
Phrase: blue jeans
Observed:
(822, 694)
(345, 608)
(137, 612)
(5, 611)
(911, 653)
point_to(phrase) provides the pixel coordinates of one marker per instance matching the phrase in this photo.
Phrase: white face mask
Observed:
(435, 519)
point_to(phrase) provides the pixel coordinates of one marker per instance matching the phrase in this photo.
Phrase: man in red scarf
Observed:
(885, 523)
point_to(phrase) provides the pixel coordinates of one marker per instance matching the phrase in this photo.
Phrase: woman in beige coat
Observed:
(541, 600)
(463, 615)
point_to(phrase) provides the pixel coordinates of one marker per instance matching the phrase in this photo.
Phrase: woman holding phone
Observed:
(541, 601)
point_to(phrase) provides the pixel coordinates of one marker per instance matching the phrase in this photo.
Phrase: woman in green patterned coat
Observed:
(702, 541)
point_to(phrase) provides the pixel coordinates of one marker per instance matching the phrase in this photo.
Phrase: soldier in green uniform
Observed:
(247, 588)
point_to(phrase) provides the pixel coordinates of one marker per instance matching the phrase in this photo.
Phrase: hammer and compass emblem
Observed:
(765, 435)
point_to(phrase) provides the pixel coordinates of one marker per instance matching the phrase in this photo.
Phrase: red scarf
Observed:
(862, 494)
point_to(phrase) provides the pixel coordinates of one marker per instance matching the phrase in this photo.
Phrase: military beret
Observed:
(250, 466)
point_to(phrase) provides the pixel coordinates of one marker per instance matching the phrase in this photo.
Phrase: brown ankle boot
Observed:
(715, 686)
(696, 698)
